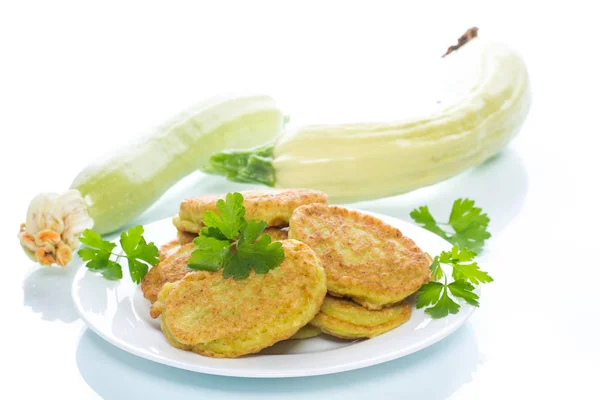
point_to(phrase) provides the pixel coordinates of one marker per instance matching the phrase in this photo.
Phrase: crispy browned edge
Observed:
(358, 290)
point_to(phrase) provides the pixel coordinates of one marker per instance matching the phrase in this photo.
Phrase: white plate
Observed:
(118, 312)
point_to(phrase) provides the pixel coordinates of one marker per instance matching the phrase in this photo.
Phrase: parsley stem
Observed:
(444, 273)
(118, 256)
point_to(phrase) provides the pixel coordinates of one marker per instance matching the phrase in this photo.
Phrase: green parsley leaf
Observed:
(230, 220)
(95, 241)
(112, 271)
(147, 252)
(251, 232)
(423, 216)
(466, 274)
(464, 290)
(464, 214)
(471, 273)
(137, 269)
(238, 267)
(137, 250)
(261, 255)
(266, 255)
(87, 253)
(211, 231)
(108, 268)
(444, 306)
(456, 255)
(461, 268)
(98, 264)
(429, 294)
(139, 254)
(468, 222)
(210, 254)
(135, 247)
(131, 239)
(470, 225)
(98, 255)
(229, 230)
(436, 270)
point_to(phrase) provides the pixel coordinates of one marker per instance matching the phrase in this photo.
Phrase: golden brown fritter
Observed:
(307, 332)
(172, 269)
(346, 319)
(168, 249)
(364, 258)
(176, 269)
(186, 237)
(276, 233)
(272, 206)
(220, 317)
(173, 246)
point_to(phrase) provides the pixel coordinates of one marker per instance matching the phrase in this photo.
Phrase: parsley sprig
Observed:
(468, 222)
(138, 253)
(230, 242)
(441, 296)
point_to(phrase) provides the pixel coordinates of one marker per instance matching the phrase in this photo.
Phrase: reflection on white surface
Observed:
(47, 290)
(312, 345)
(422, 324)
(126, 324)
(141, 307)
(411, 375)
(94, 292)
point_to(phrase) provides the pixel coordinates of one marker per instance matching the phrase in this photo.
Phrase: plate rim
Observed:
(444, 332)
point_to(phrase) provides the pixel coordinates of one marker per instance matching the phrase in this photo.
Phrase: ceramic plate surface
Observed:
(118, 312)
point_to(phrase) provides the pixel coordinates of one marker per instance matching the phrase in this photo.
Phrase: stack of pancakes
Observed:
(366, 267)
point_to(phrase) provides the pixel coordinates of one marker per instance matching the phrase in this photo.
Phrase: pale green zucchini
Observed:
(110, 193)
(352, 162)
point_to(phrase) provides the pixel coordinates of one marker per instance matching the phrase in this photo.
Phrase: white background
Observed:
(78, 79)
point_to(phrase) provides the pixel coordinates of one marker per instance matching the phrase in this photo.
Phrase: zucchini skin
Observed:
(125, 184)
(353, 162)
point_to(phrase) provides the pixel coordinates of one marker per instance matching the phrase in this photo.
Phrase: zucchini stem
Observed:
(464, 39)
(247, 166)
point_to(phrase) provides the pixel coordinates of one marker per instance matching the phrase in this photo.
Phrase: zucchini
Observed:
(112, 192)
(353, 162)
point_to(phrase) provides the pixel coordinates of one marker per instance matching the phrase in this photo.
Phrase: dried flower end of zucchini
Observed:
(53, 226)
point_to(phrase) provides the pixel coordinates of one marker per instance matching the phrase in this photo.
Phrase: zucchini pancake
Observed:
(275, 207)
(306, 332)
(170, 248)
(347, 320)
(364, 258)
(171, 269)
(174, 257)
(343, 273)
(218, 317)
